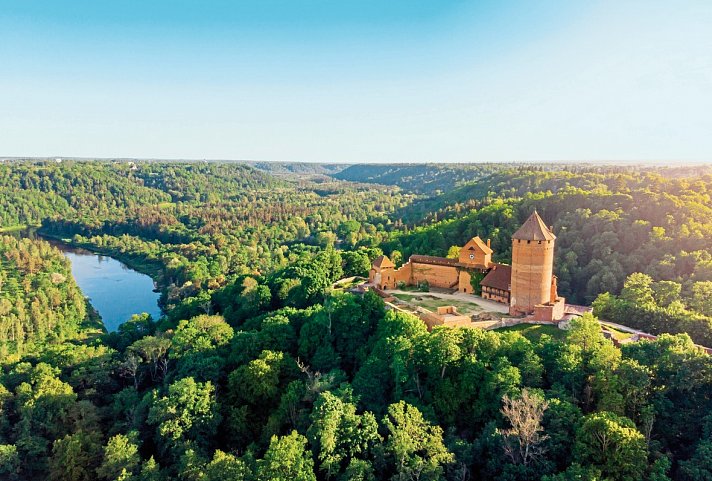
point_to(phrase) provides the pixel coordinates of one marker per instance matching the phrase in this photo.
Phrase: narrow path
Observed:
(621, 327)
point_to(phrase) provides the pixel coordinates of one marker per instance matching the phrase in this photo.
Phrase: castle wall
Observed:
(385, 278)
(532, 270)
(464, 283)
(437, 276)
(445, 315)
(550, 312)
(413, 273)
(404, 274)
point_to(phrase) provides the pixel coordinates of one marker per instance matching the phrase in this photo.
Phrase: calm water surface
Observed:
(115, 290)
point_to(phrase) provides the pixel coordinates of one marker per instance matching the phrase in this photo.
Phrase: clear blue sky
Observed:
(358, 80)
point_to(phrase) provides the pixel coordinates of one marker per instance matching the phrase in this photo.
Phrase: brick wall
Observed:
(464, 283)
(437, 276)
(532, 271)
(550, 312)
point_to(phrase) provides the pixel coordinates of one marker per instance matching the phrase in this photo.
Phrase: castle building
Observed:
(533, 284)
(528, 286)
(443, 272)
(496, 285)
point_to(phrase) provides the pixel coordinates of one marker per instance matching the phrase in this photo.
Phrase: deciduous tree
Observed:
(414, 446)
(524, 441)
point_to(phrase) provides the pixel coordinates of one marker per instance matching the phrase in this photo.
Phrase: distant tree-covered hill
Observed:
(419, 178)
(298, 168)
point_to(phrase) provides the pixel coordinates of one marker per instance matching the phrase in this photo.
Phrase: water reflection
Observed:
(115, 290)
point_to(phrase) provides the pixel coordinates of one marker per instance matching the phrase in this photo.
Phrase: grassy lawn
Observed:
(432, 303)
(534, 331)
(618, 335)
(405, 297)
(411, 289)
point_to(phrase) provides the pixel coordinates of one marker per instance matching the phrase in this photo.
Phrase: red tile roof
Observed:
(499, 277)
(479, 243)
(382, 261)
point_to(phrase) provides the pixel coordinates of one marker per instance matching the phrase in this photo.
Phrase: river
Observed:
(115, 290)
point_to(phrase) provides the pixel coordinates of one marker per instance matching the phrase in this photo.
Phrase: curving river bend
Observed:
(115, 290)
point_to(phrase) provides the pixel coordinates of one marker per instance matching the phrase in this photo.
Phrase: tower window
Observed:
(529, 242)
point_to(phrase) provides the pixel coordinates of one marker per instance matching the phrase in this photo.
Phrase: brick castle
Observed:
(528, 286)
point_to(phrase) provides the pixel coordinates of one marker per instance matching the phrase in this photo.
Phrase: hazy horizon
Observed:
(358, 81)
(563, 162)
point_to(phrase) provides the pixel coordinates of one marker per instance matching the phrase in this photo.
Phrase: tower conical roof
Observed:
(534, 229)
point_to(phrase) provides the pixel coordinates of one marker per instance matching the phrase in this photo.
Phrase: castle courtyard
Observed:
(465, 303)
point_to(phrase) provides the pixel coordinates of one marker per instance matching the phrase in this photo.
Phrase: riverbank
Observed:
(93, 324)
(151, 268)
(115, 285)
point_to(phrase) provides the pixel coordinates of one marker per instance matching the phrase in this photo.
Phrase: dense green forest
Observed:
(39, 300)
(261, 370)
(420, 178)
(608, 225)
(194, 225)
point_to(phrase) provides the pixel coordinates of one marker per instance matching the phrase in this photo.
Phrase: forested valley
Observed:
(262, 369)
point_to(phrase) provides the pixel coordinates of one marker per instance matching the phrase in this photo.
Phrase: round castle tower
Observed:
(532, 280)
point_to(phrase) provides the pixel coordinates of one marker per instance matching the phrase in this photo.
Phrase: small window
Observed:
(529, 242)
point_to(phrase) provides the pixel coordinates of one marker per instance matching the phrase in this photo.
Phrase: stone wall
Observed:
(383, 278)
(389, 278)
(446, 315)
(487, 324)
